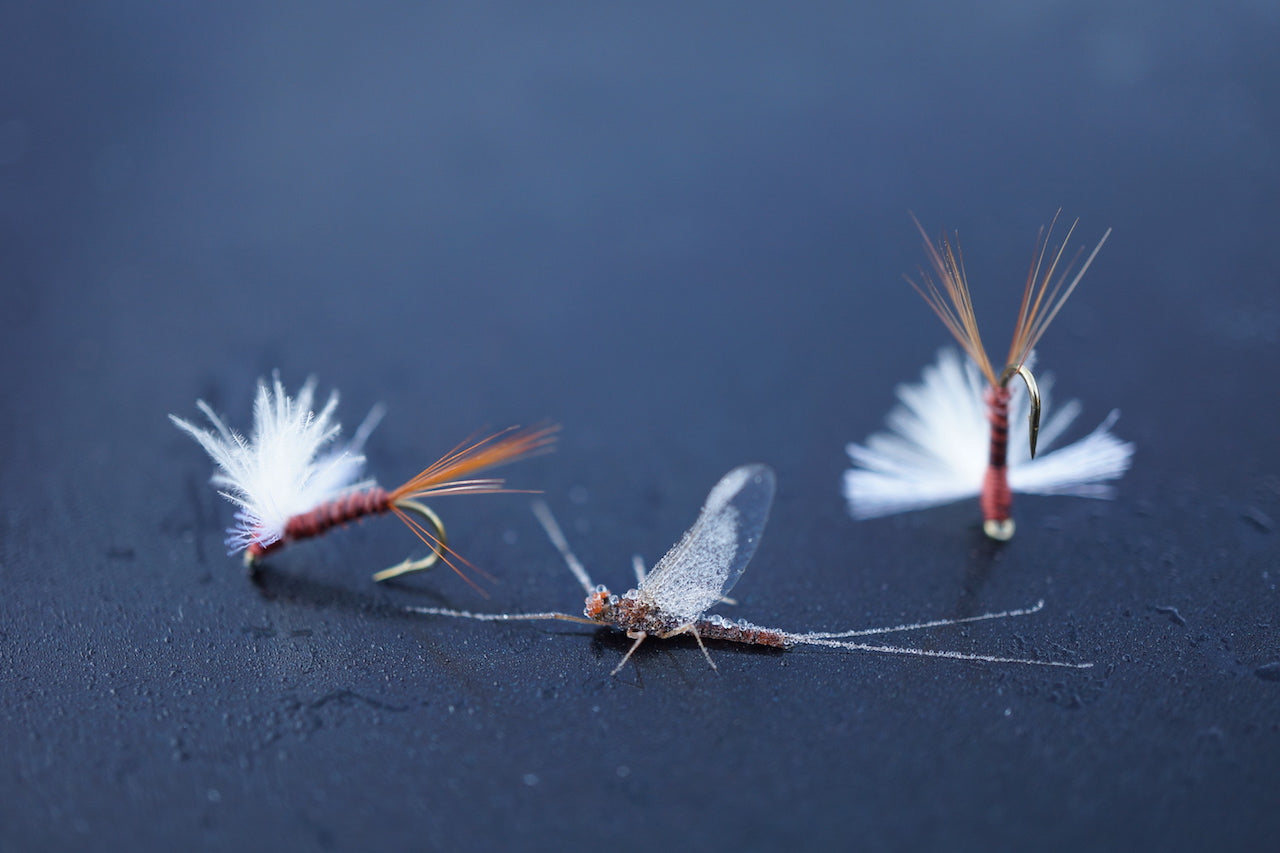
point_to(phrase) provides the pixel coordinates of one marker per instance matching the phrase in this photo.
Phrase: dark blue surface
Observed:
(679, 233)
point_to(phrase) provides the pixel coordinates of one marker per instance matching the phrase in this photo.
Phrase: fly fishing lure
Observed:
(290, 481)
(934, 451)
(700, 570)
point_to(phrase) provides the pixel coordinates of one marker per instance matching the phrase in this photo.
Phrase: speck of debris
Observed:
(1212, 734)
(1172, 612)
(1269, 671)
(1258, 519)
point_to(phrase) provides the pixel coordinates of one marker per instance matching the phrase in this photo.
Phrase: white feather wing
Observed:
(935, 450)
(1082, 469)
(281, 470)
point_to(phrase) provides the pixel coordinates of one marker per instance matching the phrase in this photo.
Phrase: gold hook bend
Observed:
(1033, 394)
(437, 550)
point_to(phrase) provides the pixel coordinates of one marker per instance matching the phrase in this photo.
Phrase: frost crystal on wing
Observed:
(935, 450)
(286, 466)
(711, 556)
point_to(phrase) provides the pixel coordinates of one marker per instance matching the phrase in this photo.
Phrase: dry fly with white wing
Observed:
(949, 438)
(292, 482)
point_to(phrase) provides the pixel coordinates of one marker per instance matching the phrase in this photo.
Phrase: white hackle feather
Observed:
(288, 465)
(935, 451)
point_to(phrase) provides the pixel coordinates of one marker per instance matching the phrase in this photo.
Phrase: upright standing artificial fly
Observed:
(934, 454)
(291, 482)
(700, 570)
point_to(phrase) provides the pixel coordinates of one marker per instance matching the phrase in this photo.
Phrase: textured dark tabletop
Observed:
(680, 234)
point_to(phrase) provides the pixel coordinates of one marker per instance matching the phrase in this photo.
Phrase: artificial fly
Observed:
(934, 453)
(700, 570)
(290, 481)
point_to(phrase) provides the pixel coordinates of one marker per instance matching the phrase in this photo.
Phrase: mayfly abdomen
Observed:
(719, 628)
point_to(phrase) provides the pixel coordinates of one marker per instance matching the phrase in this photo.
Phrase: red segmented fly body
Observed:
(450, 475)
(996, 498)
(1044, 294)
(335, 513)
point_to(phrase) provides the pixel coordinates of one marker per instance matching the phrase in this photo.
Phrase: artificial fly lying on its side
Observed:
(291, 482)
(700, 570)
(934, 453)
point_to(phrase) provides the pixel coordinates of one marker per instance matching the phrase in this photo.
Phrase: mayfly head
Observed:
(601, 605)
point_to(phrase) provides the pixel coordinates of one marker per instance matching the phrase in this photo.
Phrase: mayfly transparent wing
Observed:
(711, 556)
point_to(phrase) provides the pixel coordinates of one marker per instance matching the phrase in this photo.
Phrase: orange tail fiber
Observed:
(450, 474)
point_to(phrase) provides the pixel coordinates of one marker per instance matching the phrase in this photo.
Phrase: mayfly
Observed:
(949, 438)
(291, 482)
(700, 570)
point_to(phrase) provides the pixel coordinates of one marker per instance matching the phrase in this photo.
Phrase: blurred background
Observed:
(678, 230)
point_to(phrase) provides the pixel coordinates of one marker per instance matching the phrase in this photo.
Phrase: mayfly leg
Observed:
(639, 637)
